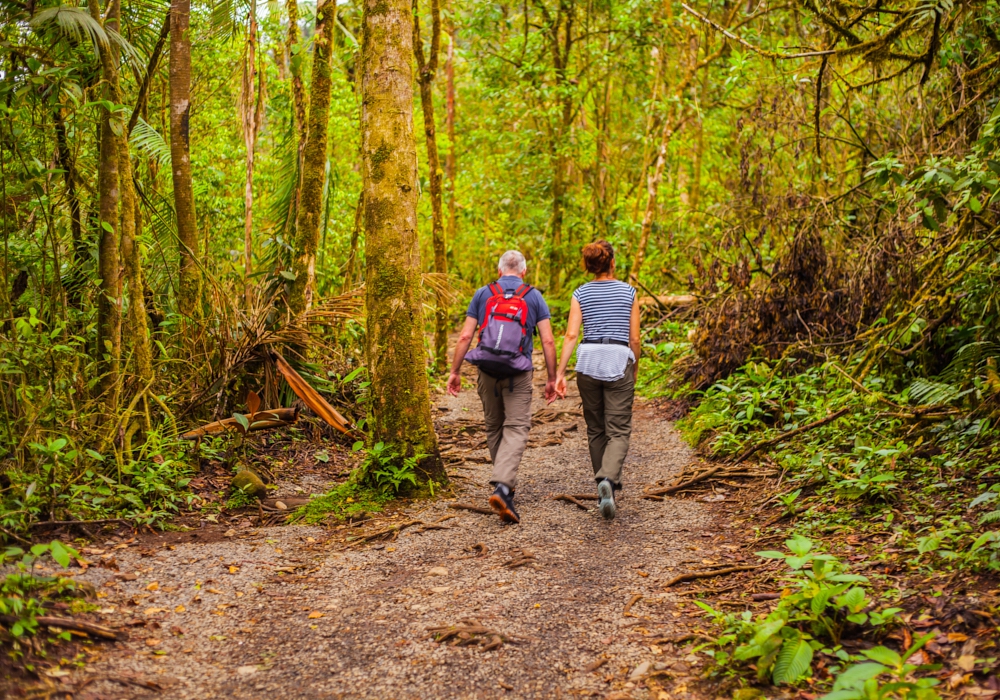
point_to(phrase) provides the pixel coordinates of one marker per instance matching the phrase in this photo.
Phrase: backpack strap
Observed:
(523, 290)
(496, 289)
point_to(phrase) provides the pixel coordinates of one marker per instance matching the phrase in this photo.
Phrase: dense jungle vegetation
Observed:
(806, 194)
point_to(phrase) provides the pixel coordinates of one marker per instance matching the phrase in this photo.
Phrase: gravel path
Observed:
(292, 612)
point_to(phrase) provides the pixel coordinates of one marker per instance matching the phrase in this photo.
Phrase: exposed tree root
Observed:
(469, 633)
(474, 509)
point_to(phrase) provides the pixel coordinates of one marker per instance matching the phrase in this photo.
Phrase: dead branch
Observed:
(469, 506)
(694, 575)
(76, 625)
(683, 485)
(569, 499)
(791, 433)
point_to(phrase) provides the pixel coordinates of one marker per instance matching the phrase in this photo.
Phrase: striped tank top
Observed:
(607, 309)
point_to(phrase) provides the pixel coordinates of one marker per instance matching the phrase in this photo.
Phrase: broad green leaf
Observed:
(853, 600)
(799, 545)
(883, 655)
(771, 554)
(60, 553)
(855, 676)
(768, 629)
(793, 661)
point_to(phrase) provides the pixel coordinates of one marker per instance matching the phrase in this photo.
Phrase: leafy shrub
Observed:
(821, 601)
(19, 591)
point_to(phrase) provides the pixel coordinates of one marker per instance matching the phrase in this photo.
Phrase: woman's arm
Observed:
(569, 345)
(634, 338)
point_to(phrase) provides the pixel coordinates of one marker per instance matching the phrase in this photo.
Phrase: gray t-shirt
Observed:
(538, 310)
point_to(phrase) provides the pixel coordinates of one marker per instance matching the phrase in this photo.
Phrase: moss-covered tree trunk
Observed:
(189, 277)
(136, 335)
(450, 160)
(310, 199)
(400, 406)
(109, 299)
(426, 72)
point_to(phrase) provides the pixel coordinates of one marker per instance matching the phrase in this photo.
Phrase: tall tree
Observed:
(426, 72)
(118, 247)
(450, 159)
(310, 207)
(189, 279)
(400, 407)
(251, 117)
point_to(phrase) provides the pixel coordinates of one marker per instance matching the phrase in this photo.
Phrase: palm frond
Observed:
(73, 22)
(147, 140)
(77, 24)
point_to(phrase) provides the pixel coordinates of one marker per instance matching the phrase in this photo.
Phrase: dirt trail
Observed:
(290, 612)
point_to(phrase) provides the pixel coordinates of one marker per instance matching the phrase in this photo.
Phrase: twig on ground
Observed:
(628, 606)
(791, 433)
(694, 575)
(683, 485)
(569, 499)
(469, 506)
(395, 529)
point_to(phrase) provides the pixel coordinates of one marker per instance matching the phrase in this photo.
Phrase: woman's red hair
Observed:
(598, 256)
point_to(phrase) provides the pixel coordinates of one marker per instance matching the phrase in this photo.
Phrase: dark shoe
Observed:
(503, 505)
(606, 499)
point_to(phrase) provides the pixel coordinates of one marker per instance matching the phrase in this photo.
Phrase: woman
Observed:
(607, 364)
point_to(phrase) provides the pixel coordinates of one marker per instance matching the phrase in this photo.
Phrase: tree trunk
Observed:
(66, 161)
(426, 72)
(652, 189)
(450, 159)
(310, 208)
(137, 326)
(189, 277)
(109, 298)
(400, 405)
(296, 56)
(250, 119)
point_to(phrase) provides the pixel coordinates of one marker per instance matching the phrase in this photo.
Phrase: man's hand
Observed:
(550, 390)
(454, 383)
(560, 386)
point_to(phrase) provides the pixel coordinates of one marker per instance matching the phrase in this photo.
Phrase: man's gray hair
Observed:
(512, 262)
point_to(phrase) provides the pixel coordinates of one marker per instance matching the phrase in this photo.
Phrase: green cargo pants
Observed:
(507, 413)
(607, 408)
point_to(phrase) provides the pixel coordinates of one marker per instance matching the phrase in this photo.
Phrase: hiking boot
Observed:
(502, 503)
(606, 499)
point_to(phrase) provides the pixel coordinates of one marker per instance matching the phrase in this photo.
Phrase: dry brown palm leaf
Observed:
(261, 421)
(311, 397)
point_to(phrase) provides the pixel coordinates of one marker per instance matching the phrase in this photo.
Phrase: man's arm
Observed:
(549, 351)
(464, 341)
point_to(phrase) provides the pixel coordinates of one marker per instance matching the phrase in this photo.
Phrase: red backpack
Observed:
(504, 333)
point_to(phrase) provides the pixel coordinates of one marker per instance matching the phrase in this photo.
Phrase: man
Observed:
(507, 314)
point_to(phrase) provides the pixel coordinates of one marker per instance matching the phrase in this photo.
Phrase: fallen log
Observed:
(695, 575)
(791, 433)
(670, 301)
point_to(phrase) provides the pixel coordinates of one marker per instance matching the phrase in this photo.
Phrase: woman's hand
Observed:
(561, 385)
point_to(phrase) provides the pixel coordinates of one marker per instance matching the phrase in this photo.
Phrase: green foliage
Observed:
(862, 681)
(351, 499)
(21, 593)
(388, 467)
(822, 599)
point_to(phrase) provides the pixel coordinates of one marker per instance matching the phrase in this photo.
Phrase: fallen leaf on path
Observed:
(966, 663)
(152, 642)
(154, 586)
(179, 609)
(315, 615)
(153, 611)
(594, 665)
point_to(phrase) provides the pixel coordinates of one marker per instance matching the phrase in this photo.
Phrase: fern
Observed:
(929, 392)
(991, 517)
(971, 359)
(77, 24)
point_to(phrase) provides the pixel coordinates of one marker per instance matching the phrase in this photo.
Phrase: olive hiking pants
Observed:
(507, 413)
(607, 408)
